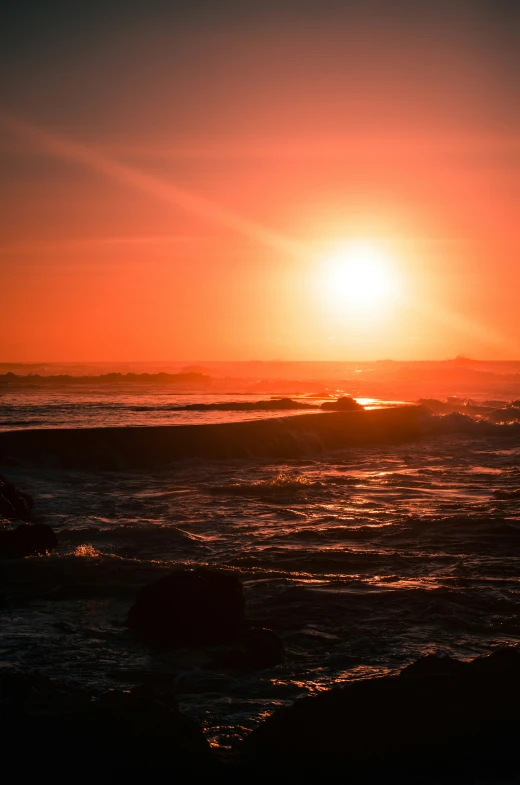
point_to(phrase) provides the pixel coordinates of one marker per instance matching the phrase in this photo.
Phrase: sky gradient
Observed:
(173, 178)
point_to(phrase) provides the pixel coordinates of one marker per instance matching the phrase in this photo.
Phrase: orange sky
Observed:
(172, 181)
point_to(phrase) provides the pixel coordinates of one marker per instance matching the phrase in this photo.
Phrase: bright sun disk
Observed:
(358, 276)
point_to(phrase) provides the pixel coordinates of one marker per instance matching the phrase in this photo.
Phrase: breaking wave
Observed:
(142, 447)
(132, 447)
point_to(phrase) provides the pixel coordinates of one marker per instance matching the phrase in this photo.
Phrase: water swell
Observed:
(458, 423)
(144, 447)
(285, 484)
(282, 437)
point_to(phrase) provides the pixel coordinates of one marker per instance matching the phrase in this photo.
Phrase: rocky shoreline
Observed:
(439, 720)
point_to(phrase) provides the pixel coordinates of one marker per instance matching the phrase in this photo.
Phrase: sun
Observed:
(358, 276)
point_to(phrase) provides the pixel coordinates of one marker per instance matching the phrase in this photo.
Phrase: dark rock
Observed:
(27, 540)
(14, 504)
(503, 663)
(52, 730)
(256, 649)
(344, 404)
(433, 665)
(204, 607)
(189, 608)
(274, 404)
(6, 508)
(283, 403)
(439, 720)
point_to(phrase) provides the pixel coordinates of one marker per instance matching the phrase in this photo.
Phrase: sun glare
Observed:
(358, 276)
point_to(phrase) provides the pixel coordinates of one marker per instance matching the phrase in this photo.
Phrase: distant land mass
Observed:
(389, 380)
(10, 379)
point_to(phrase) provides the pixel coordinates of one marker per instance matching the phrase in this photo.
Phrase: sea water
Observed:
(362, 558)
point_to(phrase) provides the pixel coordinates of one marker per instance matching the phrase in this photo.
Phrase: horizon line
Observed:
(251, 361)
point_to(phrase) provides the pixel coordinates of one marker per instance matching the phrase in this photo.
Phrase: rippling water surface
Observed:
(362, 560)
(91, 408)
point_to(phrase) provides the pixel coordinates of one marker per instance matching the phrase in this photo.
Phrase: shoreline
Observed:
(452, 721)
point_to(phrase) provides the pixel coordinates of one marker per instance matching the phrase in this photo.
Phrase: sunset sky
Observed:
(188, 181)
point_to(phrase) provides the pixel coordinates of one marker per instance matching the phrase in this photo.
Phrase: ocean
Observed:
(362, 552)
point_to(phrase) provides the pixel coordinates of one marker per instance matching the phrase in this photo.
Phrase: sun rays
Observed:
(358, 279)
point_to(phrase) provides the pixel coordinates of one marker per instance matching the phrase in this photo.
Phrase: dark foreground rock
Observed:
(345, 404)
(53, 730)
(439, 720)
(26, 540)
(189, 608)
(14, 503)
(204, 607)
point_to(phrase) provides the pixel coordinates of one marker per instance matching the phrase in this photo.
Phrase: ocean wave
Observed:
(284, 484)
(491, 411)
(464, 424)
(505, 494)
(142, 447)
(114, 448)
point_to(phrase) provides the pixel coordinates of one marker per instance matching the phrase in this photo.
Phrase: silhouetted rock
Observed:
(433, 665)
(344, 404)
(26, 540)
(189, 607)
(439, 720)
(255, 649)
(6, 508)
(204, 607)
(274, 404)
(14, 504)
(61, 732)
(283, 403)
